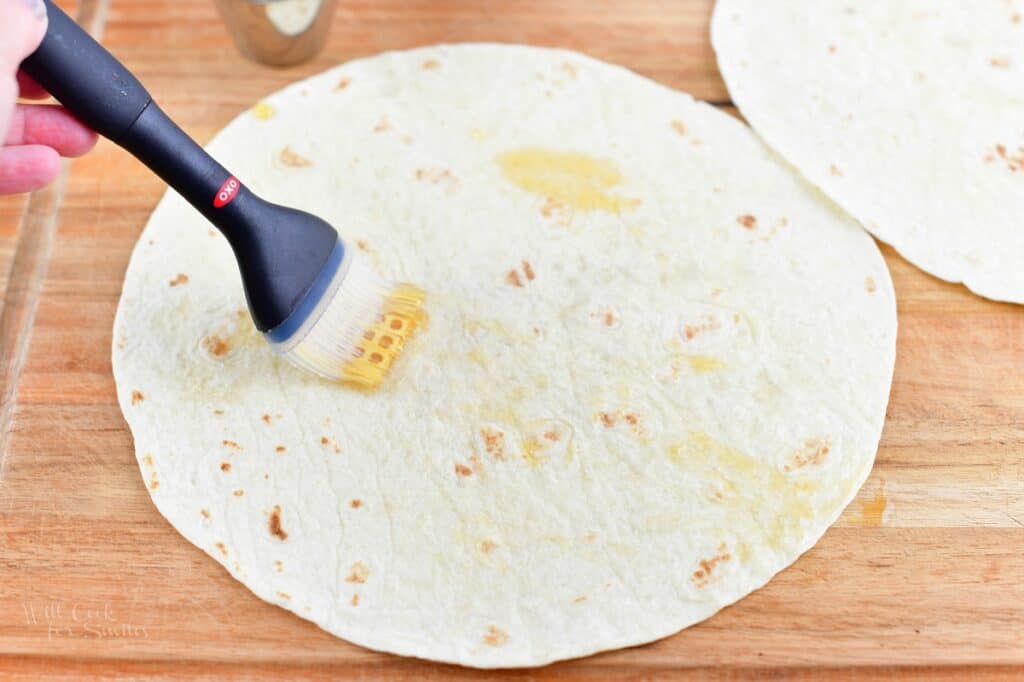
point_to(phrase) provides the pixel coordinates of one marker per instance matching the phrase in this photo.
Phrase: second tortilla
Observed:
(908, 114)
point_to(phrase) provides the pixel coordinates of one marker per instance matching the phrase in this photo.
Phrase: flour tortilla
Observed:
(908, 114)
(655, 369)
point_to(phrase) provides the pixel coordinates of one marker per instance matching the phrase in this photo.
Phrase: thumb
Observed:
(22, 25)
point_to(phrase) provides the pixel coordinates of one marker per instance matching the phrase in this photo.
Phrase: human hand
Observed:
(33, 136)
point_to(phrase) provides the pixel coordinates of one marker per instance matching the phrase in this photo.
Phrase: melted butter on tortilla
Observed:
(704, 363)
(570, 178)
(743, 472)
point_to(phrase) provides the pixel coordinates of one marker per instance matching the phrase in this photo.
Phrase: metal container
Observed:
(278, 32)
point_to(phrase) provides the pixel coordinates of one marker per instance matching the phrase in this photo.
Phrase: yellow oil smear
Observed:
(704, 363)
(263, 111)
(530, 448)
(382, 342)
(478, 356)
(753, 478)
(475, 325)
(570, 178)
(873, 509)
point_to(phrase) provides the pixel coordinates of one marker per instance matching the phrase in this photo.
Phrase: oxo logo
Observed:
(227, 192)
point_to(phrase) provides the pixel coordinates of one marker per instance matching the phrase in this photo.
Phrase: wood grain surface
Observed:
(922, 577)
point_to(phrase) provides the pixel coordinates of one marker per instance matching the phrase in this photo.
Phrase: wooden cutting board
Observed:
(923, 576)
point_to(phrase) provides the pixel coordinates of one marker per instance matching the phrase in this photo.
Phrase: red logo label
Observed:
(227, 192)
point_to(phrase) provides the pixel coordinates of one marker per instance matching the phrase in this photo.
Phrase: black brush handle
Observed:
(280, 250)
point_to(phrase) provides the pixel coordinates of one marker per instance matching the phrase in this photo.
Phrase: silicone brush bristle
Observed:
(384, 340)
(364, 325)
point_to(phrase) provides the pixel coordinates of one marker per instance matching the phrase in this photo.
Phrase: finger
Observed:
(29, 89)
(24, 23)
(24, 169)
(52, 126)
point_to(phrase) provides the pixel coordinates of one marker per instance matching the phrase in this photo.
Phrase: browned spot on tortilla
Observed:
(528, 270)
(609, 319)
(569, 69)
(284, 595)
(182, 278)
(278, 566)
(154, 484)
(362, 245)
(495, 636)
(710, 323)
(679, 127)
(293, 159)
(216, 346)
(137, 397)
(748, 221)
(205, 513)
(225, 466)
(238, 493)
(812, 452)
(1014, 162)
(148, 459)
(359, 573)
(832, 48)
(279, 448)
(463, 470)
(589, 537)
(222, 548)
(581, 598)
(1015, 18)
(606, 419)
(430, 65)
(354, 601)
(513, 278)
(266, 419)
(274, 524)
(632, 419)
(324, 440)
(218, 412)
(702, 576)
(1000, 62)
(487, 546)
(382, 125)
(869, 285)
(343, 83)
(494, 442)
(551, 435)
(834, 171)
(355, 504)
(550, 206)
(231, 444)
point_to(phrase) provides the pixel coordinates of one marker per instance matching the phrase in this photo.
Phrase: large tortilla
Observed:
(655, 369)
(908, 114)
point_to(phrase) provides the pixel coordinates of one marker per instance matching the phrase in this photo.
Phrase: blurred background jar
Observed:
(278, 32)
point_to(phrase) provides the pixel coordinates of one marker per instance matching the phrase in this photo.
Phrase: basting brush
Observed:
(318, 303)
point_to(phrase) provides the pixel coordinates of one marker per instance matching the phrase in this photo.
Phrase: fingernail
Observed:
(37, 7)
